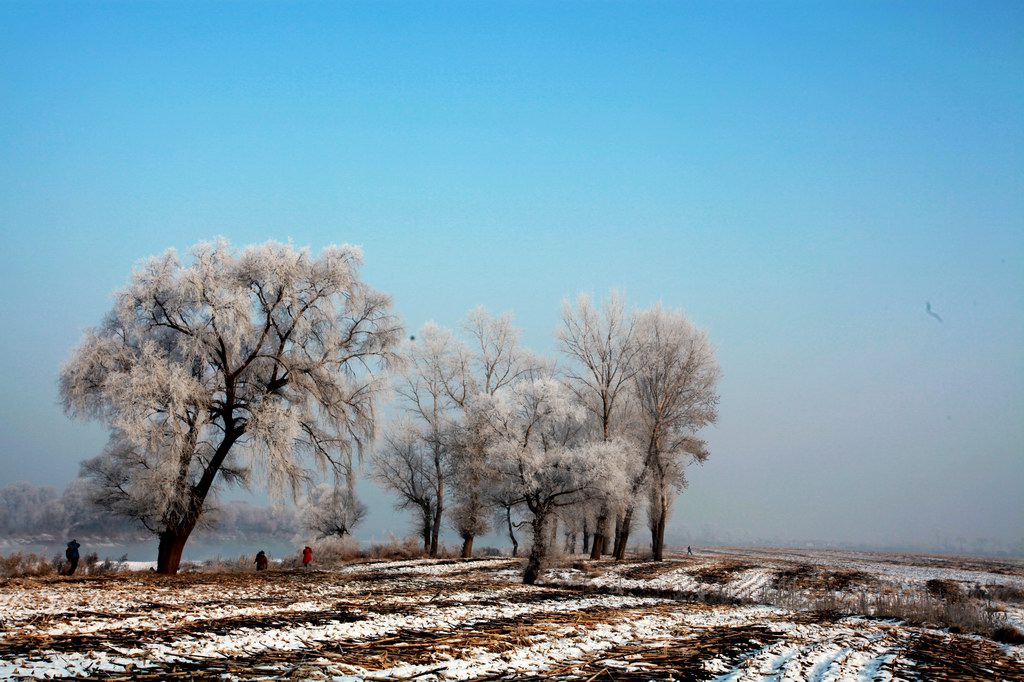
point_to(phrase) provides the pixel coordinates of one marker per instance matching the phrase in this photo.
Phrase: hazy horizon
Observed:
(834, 192)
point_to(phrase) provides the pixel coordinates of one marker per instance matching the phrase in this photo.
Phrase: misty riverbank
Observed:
(145, 549)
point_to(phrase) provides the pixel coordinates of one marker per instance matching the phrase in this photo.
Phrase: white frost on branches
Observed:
(262, 363)
(676, 397)
(539, 457)
(332, 511)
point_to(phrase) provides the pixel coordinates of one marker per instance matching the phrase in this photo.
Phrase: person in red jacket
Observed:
(307, 557)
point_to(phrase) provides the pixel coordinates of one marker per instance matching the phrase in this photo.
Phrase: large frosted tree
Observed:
(488, 363)
(603, 354)
(431, 367)
(676, 394)
(538, 458)
(261, 364)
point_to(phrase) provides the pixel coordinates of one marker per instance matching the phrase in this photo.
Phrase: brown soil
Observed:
(650, 570)
(804, 577)
(721, 572)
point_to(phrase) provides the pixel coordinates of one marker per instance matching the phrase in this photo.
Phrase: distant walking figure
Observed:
(261, 561)
(307, 556)
(72, 555)
(689, 552)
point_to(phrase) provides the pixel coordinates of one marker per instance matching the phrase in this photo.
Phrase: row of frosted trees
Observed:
(493, 435)
(267, 365)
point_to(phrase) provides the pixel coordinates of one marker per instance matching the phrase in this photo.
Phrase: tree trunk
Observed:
(586, 537)
(618, 536)
(467, 546)
(622, 536)
(436, 530)
(539, 550)
(427, 526)
(172, 544)
(658, 540)
(511, 531)
(597, 549)
(658, 531)
(172, 540)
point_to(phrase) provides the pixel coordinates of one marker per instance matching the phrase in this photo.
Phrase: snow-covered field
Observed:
(722, 615)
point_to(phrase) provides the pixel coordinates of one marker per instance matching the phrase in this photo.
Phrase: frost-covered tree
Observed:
(262, 363)
(537, 456)
(470, 511)
(491, 360)
(404, 464)
(676, 397)
(332, 511)
(603, 351)
(431, 368)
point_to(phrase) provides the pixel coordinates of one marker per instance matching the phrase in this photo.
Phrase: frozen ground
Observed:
(723, 615)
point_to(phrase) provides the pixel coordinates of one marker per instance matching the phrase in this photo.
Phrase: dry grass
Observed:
(31, 565)
(722, 572)
(25, 564)
(942, 604)
(1005, 593)
(829, 594)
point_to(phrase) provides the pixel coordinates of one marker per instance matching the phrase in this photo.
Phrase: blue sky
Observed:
(800, 177)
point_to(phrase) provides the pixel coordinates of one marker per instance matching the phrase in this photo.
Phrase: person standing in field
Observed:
(307, 557)
(71, 553)
(261, 561)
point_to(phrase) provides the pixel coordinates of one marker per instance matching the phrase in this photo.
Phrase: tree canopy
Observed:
(261, 364)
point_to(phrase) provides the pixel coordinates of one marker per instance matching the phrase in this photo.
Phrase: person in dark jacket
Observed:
(261, 561)
(307, 556)
(71, 553)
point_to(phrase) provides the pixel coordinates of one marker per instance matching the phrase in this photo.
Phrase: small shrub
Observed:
(1007, 593)
(408, 548)
(108, 567)
(1007, 634)
(587, 568)
(88, 563)
(794, 576)
(944, 589)
(488, 552)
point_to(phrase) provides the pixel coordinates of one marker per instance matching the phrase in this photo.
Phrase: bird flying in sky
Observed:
(928, 309)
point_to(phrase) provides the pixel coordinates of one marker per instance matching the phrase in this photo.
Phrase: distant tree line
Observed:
(31, 513)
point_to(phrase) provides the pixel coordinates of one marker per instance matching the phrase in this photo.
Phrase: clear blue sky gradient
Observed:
(799, 177)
